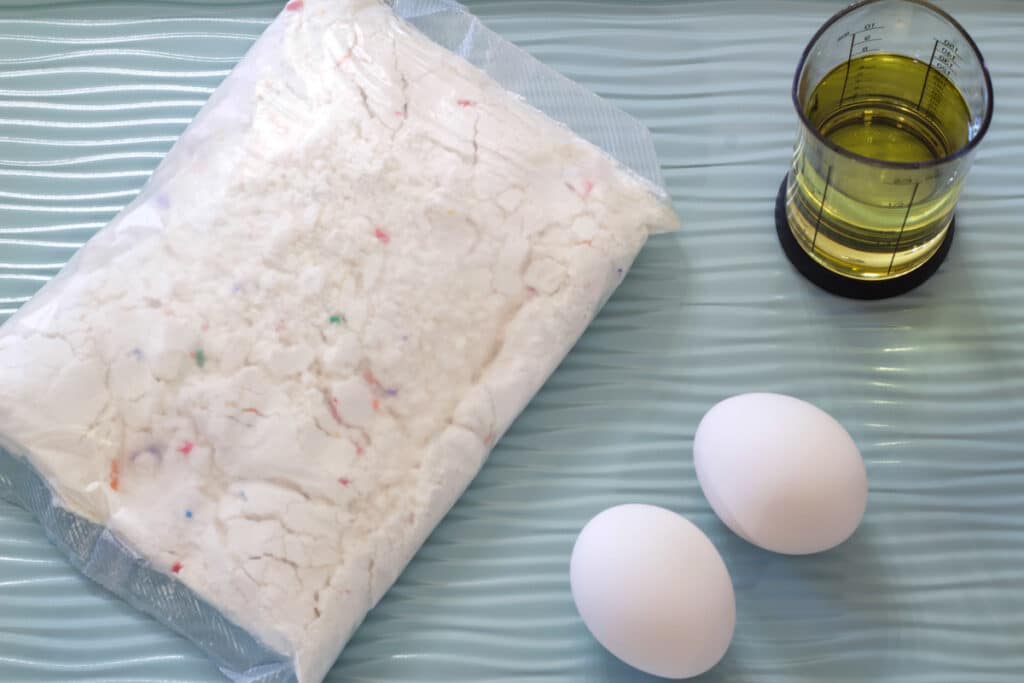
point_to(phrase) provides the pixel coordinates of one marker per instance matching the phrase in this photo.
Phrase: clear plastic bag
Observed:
(246, 402)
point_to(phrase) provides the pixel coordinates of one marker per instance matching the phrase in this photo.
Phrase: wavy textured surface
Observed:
(931, 385)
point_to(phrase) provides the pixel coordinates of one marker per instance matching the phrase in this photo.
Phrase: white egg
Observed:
(781, 473)
(653, 590)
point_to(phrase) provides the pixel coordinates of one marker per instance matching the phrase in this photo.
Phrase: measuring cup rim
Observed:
(968, 147)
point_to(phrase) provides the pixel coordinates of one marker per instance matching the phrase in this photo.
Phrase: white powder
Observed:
(275, 372)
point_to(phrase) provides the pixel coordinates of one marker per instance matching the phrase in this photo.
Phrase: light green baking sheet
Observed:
(931, 385)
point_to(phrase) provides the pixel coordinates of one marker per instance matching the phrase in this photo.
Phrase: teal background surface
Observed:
(931, 385)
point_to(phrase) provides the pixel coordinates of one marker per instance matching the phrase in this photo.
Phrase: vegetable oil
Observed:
(872, 191)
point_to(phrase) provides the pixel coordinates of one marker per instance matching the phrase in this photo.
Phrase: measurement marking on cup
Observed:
(946, 59)
(846, 78)
(863, 46)
(821, 208)
(867, 27)
(906, 217)
(927, 74)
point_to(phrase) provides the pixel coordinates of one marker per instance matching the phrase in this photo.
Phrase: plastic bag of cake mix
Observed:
(245, 404)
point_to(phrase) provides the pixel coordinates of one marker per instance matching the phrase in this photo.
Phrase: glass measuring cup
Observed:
(893, 98)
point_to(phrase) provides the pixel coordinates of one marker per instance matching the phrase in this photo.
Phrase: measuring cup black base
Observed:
(844, 286)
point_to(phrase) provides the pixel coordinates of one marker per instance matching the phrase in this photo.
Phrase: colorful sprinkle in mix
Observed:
(344, 481)
(332, 406)
(295, 5)
(382, 236)
(188, 514)
(371, 379)
(466, 103)
(360, 450)
(337, 319)
(376, 405)
(391, 392)
(200, 358)
(176, 567)
(152, 450)
(588, 187)
(137, 353)
(115, 475)
(254, 411)
(186, 448)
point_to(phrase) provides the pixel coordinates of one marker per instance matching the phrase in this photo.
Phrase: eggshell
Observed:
(781, 473)
(653, 590)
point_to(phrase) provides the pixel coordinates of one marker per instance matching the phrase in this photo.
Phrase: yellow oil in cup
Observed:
(893, 98)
